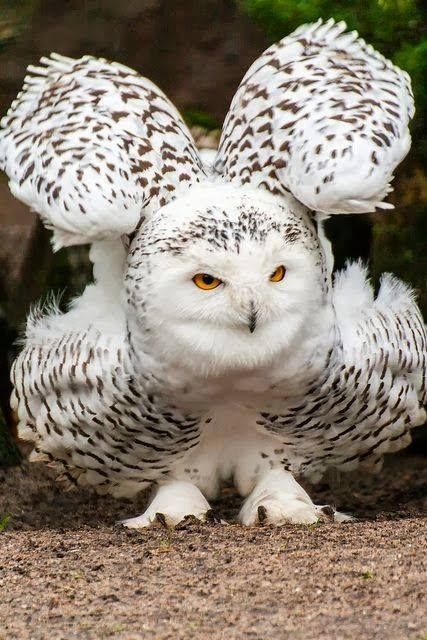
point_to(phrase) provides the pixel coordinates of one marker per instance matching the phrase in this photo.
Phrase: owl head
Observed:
(227, 275)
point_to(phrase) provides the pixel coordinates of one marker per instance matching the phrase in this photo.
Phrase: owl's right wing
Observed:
(90, 144)
(80, 401)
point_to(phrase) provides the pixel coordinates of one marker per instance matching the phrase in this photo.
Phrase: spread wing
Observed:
(90, 144)
(374, 387)
(320, 114)
(81, 404)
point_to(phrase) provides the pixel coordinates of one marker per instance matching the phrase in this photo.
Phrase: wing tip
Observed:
(344, 205)
(332, 31)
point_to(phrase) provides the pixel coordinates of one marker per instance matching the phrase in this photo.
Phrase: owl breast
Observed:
(233, 449)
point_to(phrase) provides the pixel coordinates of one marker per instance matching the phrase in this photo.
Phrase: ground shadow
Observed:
(35, 501)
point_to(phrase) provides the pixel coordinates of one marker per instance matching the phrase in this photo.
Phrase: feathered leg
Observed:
(278, 498)
(171, 504)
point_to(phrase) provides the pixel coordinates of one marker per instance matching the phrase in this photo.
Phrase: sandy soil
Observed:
(68, 571)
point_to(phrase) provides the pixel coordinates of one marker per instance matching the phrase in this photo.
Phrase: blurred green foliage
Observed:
(200, 118)
(396, 28)
(4, 521)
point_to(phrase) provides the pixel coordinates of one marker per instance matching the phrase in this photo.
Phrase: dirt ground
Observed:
(68, 571)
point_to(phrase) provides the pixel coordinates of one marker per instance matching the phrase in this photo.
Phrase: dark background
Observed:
(197, 51)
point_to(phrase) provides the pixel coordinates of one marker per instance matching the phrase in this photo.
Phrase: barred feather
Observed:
(323, 115)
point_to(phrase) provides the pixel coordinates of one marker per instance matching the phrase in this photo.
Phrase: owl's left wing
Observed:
(373, 388)
(322, 115)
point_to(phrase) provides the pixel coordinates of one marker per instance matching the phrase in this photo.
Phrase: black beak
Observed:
(252, 317)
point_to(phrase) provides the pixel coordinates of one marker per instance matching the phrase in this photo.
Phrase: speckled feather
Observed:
(89, 412)
(91, 144)
(320, 114)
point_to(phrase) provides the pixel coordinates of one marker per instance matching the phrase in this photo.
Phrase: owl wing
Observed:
(81, 405)
(373, 388)
(320, 114)
(388, 327)
(383, 371)
(89, 144)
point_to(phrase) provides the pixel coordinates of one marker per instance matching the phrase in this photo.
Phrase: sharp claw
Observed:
(334, 515)
(328, 511)
(212, 517)
(262, 514)
(161, 519)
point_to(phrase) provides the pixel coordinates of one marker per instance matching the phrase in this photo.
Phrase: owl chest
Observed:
(232, 449)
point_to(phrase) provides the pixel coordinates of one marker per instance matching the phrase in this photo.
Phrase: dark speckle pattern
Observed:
(322, 115)
(89, 144)
(86, 408)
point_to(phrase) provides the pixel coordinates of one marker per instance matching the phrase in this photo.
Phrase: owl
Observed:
(215, 345)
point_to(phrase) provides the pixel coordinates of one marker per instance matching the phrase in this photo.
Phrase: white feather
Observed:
(89, 145)
(323, 115)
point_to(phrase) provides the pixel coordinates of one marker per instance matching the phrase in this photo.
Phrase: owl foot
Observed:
(278, 498)
(170, 505)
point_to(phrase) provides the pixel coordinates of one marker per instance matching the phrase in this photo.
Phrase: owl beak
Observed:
(252, 317)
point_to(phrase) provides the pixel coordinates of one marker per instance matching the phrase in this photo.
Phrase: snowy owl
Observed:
(215, 345)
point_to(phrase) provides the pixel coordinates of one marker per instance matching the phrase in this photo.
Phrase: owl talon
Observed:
(278, 498)
(187, 523)
(161, 519)
(171, 504)
(211, 517)
(329, 514)
(328, 511)
(262, 514)
(343, 517)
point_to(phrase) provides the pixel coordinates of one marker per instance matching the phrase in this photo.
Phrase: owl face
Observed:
(237, 280)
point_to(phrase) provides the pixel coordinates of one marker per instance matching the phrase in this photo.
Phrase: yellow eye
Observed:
(206, 281)
(279, 274)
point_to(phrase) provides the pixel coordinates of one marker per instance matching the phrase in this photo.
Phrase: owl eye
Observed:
(278, 274)
(206, 281)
